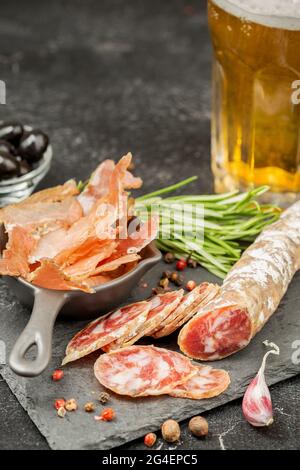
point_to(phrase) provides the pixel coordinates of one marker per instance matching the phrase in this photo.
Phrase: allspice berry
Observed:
(198, 426)
(71, 404)
(170, 431)
(89, 407)
(164, 282)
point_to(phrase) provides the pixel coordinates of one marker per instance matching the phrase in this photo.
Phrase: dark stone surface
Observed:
(103, 78)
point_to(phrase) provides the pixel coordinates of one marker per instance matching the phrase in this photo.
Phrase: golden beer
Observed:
(256, 95)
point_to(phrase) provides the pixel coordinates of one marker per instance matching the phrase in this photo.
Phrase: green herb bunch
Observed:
(231, 221)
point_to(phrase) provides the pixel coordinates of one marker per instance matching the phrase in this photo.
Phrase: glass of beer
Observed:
(256, 96)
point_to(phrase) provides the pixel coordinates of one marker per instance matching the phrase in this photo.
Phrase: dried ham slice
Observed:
(99, 279)
(138, 237)
(106, 329)
(55, 194)
(207, 383)
(86, 266)
(139, 371)
(187, 308)
(14, 261)
(98, 185)
(94, 281)
(160, 308)
(49, 215)
(116, 263)
(51, 276)
(126, 250)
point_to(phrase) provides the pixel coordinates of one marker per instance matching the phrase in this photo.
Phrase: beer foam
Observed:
(275, 13)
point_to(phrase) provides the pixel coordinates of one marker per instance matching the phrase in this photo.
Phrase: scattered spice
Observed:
(181, 265)
(158, 290)
(107, 414)
(179, 281)
(104, 397)
(198, 426)
(257, 403)
(176, 278)
(169, 258)
(166, 274)
(192, 263)
(59, 403)
(61, 412)
(150, 439)
(170, 430)
(164, 283)
(57, 375)
(190, 285)
(71, 404)
(89, 407)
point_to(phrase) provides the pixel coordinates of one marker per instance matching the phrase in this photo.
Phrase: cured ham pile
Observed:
(125, 326)
(62, 239)
(139, 371)
(250, 293)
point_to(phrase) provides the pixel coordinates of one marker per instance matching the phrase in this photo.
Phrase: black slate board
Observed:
(135, 417)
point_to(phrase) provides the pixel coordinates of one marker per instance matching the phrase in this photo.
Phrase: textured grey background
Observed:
(104, 78)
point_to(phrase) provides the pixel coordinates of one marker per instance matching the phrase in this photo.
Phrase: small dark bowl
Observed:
(15, 189)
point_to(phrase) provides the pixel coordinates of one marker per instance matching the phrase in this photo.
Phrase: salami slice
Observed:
(106, 329)
(98, 185)
(187, 308)
(139, 371)
(160, 307)
(207, 383)
(250, 292)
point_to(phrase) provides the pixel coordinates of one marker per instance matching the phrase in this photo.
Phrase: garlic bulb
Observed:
(257, 403)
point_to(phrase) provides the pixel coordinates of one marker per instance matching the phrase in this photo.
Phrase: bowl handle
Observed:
(38, 331)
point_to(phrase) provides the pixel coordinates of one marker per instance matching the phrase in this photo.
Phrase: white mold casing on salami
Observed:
(250, 293)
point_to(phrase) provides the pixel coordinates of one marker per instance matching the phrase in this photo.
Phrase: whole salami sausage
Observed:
(250, 293)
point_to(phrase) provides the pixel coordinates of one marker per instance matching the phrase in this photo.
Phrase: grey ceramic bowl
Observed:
(46, 304)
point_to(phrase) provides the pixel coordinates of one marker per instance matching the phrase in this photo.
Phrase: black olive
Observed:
(9, 166)
(11, 131)
(7, 147)
(33, 144)
(24, 168)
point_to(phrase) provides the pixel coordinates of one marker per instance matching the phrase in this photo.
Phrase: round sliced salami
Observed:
(106, 329)
(207, 383)
(139, 371)
(161, 307)
(215, 334)
(187, 308)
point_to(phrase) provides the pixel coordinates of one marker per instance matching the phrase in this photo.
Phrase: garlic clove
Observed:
(257, 403)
